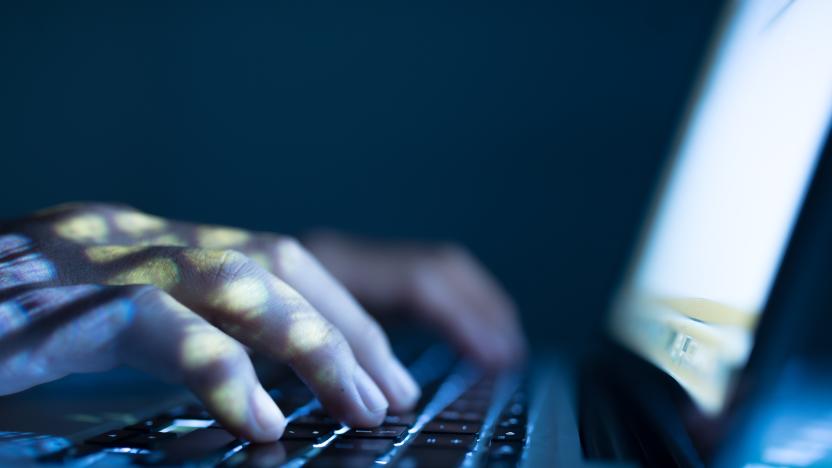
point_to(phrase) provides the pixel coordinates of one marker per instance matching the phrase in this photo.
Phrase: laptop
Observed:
(700, 356)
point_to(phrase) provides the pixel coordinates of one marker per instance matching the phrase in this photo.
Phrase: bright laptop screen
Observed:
(735, 185)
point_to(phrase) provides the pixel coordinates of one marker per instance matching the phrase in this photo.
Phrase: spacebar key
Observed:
(207, 445)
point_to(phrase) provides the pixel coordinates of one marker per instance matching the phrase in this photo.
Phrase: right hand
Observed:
(87, 287)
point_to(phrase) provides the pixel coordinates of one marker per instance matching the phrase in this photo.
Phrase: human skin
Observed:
(86, 287)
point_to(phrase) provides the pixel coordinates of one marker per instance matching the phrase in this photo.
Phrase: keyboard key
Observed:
(400, 419)
(308, 432)
(511, 422)
(461, 416)
(111, 438)
(469, 406)
(428, 457)
(150, 425)
(501, 434)
(519, 397)
(267, 455)
(381, 432)
(357, 460)
(465, 441)
(190, 412)
(373, 446)
(504, 454)
(505, 449)
(203, 447)
(516, 410)
(447, 427)
(315, 419)
(146, 440)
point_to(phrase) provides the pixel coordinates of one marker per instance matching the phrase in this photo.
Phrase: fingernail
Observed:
(405, 387)
(370, 394)
(267, 415)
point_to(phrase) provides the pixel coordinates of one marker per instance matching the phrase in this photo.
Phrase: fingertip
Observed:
(374, 402)
(405, 391)
(268, 418)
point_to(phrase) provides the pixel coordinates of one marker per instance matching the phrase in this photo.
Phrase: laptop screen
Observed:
(736, 180)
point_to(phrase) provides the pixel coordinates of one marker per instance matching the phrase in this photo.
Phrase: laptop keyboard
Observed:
(464, 418)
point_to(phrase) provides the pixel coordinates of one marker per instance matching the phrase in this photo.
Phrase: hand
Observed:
(87, 287)
(442, 285)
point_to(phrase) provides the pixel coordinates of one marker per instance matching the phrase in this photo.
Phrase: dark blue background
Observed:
(531, 131)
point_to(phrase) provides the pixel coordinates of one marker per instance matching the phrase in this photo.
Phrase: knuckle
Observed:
(317, 336)
(232, 260)
(227, 265)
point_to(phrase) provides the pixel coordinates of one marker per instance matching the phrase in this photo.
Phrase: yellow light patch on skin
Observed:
(307, 333)
(230, 399)
(161, 272)
(165, 240)
(220, 237)
(327, 374)
(109, 253)
(137, 224)
(245, 296)
(204, 345)
(207, 260)
(261, 259)
(83, 228)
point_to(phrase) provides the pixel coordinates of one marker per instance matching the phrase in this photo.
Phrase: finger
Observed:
(167, 338)
(263, 312)
(295, 265)
(92, 328)
(434, 294)
(445, 286)
(482, 296)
